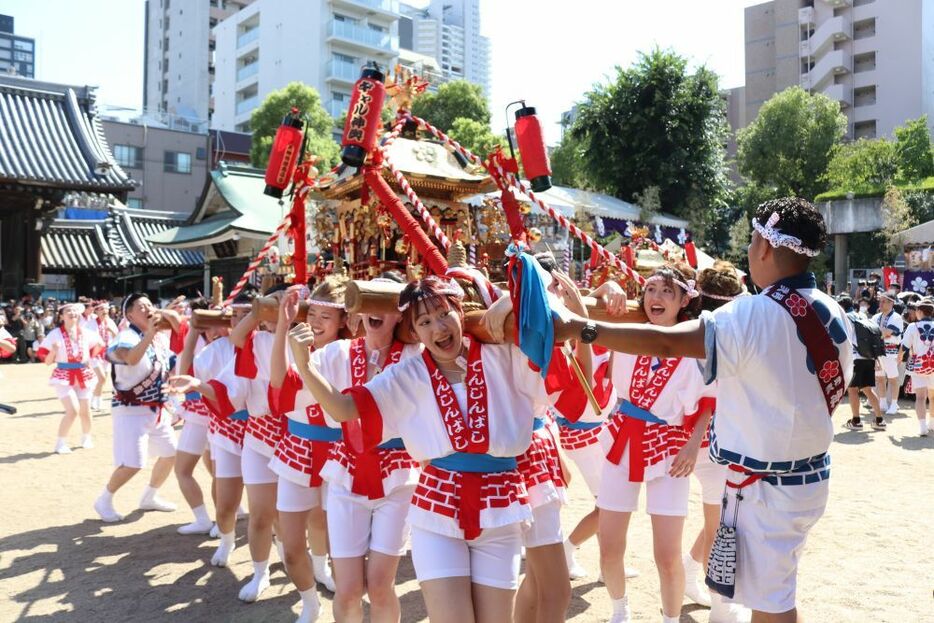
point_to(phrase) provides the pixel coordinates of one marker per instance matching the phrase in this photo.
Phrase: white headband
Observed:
(325, 304)
(688, 286)
(452, 289)
(722, 297)
(777, 239)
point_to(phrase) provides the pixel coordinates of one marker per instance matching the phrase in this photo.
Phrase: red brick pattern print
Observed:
(438, 491)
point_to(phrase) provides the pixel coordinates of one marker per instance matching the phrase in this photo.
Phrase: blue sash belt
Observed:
(314, 432)
(630, 410)
(192, 396)
(393, 444)
(241, 416)
(475, 463)
(563, 422)
(71, 365)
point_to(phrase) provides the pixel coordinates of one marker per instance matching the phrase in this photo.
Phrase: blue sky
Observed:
(547, 52)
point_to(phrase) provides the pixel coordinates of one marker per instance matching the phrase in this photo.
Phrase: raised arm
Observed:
(682, 340)
(132, 356)
(288, 309)
(188, 352)
(240, 333)
(339, 406)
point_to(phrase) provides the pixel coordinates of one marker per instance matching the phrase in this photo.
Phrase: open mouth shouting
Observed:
(374, 322)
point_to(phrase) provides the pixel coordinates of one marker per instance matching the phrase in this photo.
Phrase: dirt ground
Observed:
(871, 558)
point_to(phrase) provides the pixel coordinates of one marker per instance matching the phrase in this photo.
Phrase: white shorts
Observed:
(226, 463)
(103, 365)
(138, 431)
(295, 498)
(65, 391)
(193, 438)
(922, 381)
(545, 527)
(589, 461)
(664, 495)
(712, 479)
(492, 559)
(769, 543)
(887, 367)
(357, 525)
(255, 468)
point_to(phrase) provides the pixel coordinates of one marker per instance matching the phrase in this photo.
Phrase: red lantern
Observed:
(285, 153)
(690, 253)
(532, 147)
(363, 117)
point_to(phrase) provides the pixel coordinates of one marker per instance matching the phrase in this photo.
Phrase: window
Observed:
(6, 43)
(177, 162)
(343, 18)
(864, 62)
(129, 156)
(23, 45)
(337, 96)
(201, 153)
(343, 58)
(864, 29)
(135, 203)
(5, 54)
(22, 56)
(864, 96)
(862, 2)
(864, 129)
(377, 27)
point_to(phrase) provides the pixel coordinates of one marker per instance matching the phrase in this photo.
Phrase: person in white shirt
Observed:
(919, 339)
(141, 356)
(892, 325)
(782, 360)
(99, 322)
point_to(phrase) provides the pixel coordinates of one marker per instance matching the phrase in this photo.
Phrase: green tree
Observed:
(453, 100)
(896, 217)
(266, 119)
(789, 144)
(861, 164)
(566, 167)
(475, 136)
(913, 150)
(656, 124)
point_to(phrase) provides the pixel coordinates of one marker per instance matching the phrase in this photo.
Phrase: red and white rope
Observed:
(284, 225)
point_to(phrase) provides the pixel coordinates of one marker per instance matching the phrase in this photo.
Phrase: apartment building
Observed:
(322, 43)
(874, 57)
(178, 66)
(449, 31)
(17, 53)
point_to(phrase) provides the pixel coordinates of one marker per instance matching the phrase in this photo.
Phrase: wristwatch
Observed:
(589, 332)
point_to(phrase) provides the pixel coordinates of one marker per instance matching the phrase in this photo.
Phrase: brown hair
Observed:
(721, 279)
(429, 292)
(331, 289)
(681, 272)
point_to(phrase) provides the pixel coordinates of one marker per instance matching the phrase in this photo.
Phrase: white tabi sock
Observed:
(923, 426)
(668, 619)
(228, 543)
(107, 496)
(257, 584)
(310, 606)
(201, 515)
(149, 493)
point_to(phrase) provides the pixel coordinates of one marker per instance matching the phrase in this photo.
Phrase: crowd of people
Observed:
(415, 434)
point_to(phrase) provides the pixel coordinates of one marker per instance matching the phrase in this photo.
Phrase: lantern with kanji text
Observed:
(363, 117)
(285, 154)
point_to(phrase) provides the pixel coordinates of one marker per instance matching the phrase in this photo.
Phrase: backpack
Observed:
(869, 342)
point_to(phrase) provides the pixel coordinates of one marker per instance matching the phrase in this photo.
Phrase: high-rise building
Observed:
(322, 43)
(17, 53)
(875, 57)
(449, 30)
(178, 68)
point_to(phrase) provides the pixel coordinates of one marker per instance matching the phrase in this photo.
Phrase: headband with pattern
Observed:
(451, 289)
(777, 239)
(688, 286)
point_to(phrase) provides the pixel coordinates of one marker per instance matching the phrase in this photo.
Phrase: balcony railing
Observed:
(248, 104)
(336, 109)
(806, 15)
(342, 70)
(389, 6)
(363, 35)
(247, 70)
(833, 63)
(834, 29)
(248, 37)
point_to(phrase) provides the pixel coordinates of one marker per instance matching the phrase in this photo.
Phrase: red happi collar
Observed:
(470, 434)
(358, 361)
(76, 354)
(643, 392)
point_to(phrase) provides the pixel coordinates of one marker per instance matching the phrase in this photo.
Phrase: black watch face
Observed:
(589, 333)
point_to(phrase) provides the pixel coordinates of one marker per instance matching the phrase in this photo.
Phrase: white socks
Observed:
(152, 502)
(576, 571)
(201, 525)
(87, 442)
(621, 611)
(922, 426)
(257, 584)
(104, 506)
(311, 607)
(61, 446)
(323, 571)
(694, 588)
(228, 543)
(667, 619)
(722, 611)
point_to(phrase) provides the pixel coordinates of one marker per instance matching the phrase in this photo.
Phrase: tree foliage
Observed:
(475, 136)
(655, 124)
(896, 217)
(266, 119)
(453, 100)
(790, 143)
(913, 150)
(862, 164)
(566, 163)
